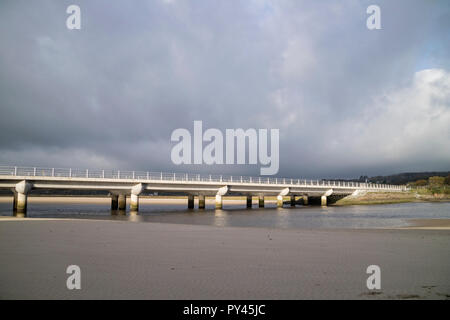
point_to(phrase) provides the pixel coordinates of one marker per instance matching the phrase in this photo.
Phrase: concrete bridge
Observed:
(120, 184)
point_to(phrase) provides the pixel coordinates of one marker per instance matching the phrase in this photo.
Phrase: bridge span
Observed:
(122, 184)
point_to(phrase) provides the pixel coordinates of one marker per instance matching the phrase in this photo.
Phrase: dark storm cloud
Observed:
(347, 101)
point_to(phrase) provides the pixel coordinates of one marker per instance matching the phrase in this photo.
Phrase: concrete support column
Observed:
(219, 201)
(21, 204)
(323, 201)
(114, 202)
(134, 203)
(122, 199)
(201, 201)
(20, 198)
(249, 201)
(190, 201)
(261, 201)
(292, 201)
(134, 199)
(305, 200)
(14, 201)
(279, 201)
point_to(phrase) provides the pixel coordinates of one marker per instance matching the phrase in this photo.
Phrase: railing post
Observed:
(241, 179)
(118, 174)
(103, 174)
(34, 171)
(53, 172)
(15, 171)
(220, 178)
(70, 173)
(161, 176)
(87, 173)
(147, 176)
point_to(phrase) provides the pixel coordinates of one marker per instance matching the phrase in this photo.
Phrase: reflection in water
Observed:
(220, 218)
(310, 217)
(134, 217)
(282, 218)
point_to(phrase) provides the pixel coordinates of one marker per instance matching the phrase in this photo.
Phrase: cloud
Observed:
(348, 101)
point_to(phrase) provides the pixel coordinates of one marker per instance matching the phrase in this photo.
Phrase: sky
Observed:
(348, 101)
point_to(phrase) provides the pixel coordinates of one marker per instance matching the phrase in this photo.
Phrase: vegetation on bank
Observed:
(432, 189)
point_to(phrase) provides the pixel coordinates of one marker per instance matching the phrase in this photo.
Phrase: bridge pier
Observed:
(261, 201)
(219, 202)
(292, 201)
(305, 200)
(249, 202)
(134, 199)
(20, 198)
(323, 201)
(122, 199)
(279, 201)
(201, 201)
(190, 201)
(14, 200)
(114, 201)
(134, 203)
(21, 204)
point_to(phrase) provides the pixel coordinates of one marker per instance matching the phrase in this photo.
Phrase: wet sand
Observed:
(126, 260)
(429, 224)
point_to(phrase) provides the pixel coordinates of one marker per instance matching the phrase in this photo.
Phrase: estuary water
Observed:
(236, 215)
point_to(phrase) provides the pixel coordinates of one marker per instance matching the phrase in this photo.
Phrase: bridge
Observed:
(122, 184)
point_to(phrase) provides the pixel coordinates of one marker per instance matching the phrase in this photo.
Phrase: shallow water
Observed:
(301, 217)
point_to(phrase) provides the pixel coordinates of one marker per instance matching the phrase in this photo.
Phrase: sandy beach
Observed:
(126, 260)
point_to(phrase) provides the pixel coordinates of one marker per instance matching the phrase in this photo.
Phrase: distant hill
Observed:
(403, 178)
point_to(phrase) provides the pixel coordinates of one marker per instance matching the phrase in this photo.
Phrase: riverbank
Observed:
(125, 260)
(369, 198)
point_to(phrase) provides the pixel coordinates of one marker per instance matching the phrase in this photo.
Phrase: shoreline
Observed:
(374, 198)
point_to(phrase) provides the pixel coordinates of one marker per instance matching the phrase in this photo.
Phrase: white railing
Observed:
(163, 176)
